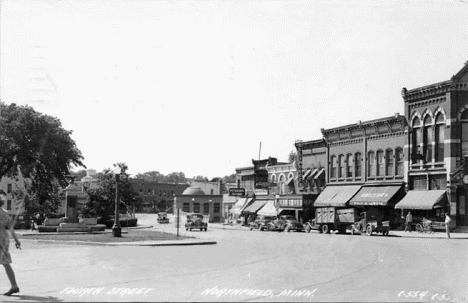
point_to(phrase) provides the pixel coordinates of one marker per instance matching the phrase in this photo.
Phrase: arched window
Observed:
(399, 161)
(390, 163)
(333, 167)
(273, 178)
(357, 165)
(464, 130)
(349, 166)
(380, 163)
(439, 137)
(342, 166)
(427, 139)
(416, 138)
(281, 182)
(371, 164)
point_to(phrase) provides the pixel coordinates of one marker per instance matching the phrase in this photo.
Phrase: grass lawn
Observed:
(132, 236)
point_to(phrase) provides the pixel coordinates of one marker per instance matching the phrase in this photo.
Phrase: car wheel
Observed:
(369, 230)
(190, 229)
(186, 229)
(307, 229)
(325, 229)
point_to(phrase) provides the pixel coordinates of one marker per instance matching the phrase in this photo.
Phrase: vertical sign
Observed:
(299, 166)
(462, 206)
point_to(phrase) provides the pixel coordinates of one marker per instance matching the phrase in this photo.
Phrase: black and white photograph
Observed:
(234, 151)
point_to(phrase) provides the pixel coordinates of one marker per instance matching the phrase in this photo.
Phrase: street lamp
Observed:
(117, 229)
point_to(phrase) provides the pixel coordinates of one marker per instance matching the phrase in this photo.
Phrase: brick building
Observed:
(194, 200)
(438, 142)
(155, 195)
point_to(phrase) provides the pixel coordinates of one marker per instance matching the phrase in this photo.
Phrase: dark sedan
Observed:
(261, 222)
(285, 223)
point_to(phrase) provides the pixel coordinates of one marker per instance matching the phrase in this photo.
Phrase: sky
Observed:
(204, 87)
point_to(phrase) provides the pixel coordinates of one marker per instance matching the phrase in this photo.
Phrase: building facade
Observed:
(194, 200)
(156, 196)
(437, 115)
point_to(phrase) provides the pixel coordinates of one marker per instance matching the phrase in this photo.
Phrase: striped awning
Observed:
(337, 196)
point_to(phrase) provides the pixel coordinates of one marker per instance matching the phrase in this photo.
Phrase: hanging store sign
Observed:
(237, 191)
(261, 192)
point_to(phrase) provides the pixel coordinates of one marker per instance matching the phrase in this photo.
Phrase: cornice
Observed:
(427, 102)
(389, 135)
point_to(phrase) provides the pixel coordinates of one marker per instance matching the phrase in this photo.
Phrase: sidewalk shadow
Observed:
(36, 298)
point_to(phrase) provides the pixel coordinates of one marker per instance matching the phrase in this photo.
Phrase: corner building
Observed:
(437, 115)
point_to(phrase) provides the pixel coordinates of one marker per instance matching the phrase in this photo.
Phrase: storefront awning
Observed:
(313, 173)
(423, 199)
(374, 195)
(319, 174)
(268, 209)
(307, 173)
(290, 180)
(337, 196)
(255, 206)
(240, 205)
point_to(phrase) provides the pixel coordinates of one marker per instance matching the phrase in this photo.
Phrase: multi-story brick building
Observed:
(155, 195)
(438, 142)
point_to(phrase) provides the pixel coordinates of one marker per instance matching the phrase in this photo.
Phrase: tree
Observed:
(150, 176)
(230, 179)
(176, 178)
(37, 146)
(200, 178)
(292, 156)
(101, 201)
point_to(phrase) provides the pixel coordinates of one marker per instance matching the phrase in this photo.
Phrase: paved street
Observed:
(247, 266)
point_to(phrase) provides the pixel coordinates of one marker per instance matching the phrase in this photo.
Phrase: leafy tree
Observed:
(230, 179)
(176, 178)
(37, 146)
(79, 174)
(200, 178)
(47, 203)
(150, 176)
(292, 156)
(101, 201)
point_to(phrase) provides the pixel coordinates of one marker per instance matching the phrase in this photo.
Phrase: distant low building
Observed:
(194, 200)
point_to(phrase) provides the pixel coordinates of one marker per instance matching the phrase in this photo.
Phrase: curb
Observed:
(135, 243)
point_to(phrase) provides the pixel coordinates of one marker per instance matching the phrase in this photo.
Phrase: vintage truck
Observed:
(332, 218)
(369, 222)
(162, 218)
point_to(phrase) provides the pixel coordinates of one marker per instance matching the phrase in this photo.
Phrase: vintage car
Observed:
(370, 222)
(261, 222)
(196, 221)
(162, 218)
(285, 223)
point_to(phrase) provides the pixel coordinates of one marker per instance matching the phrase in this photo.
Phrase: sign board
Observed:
(261, 192)
(237, 191)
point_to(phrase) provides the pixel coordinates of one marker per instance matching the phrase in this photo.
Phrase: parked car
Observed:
(285, 223)
(21, 221)
(162, 218)
(261, 222)
(196, 221)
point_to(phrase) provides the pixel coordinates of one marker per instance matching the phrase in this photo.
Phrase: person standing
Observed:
(408, 221)
(5, 258)
(447, 224)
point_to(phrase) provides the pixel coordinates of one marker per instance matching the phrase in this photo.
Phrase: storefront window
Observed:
(418, 183)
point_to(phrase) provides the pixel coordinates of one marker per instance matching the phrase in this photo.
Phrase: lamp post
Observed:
(117, 229)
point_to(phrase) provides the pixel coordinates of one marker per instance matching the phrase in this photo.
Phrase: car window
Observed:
(289, 218)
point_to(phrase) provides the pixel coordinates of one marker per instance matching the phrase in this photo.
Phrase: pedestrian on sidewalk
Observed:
(447, 224)
(5, 258)
(408, 221)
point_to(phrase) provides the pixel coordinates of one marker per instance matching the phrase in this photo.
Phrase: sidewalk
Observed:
(394, 233)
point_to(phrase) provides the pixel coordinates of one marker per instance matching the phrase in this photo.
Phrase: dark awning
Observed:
(255, 206)
(321, 172)
(290, 180)
(423, 199)
(336, 195)
(374, 195)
